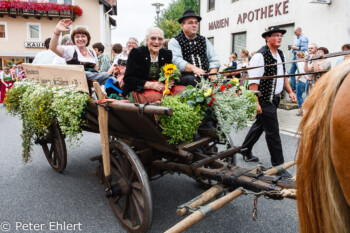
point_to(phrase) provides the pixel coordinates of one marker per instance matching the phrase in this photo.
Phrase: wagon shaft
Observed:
(250, 179)
(232, 177)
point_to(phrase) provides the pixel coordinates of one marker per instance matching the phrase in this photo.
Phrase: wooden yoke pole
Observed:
(103, 125)
(274, 170)
(204, 197)
(204, 211)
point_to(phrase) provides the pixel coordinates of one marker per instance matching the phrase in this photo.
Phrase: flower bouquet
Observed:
(169, 72)
(224, 102)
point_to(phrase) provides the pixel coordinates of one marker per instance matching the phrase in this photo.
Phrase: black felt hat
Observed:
(273, 29)
(188, 14)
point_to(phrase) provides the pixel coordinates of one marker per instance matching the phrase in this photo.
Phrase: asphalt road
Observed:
(34, 193)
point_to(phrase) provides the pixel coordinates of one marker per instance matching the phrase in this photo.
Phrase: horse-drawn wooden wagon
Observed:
(134, 151)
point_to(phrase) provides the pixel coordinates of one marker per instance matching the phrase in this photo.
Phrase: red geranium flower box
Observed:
(40, 7)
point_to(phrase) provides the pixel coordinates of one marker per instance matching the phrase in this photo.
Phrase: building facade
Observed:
(23, 32)
(235, 24)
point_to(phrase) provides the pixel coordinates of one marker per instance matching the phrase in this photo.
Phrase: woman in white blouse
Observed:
(78, 54)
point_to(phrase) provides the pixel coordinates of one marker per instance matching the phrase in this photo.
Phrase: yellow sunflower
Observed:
(169, 69)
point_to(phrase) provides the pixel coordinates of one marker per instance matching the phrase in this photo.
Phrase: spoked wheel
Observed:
(132, 198)
(54, 147)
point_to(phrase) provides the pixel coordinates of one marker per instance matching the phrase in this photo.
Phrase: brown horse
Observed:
(323, 173)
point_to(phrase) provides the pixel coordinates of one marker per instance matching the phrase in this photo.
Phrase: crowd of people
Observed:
(136, 69)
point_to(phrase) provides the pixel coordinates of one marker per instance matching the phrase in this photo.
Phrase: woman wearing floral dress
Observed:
(7, 83)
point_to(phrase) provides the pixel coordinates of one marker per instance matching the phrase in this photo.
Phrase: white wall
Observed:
(326, 25)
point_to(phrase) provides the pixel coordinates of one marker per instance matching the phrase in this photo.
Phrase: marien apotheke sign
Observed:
(269, 11)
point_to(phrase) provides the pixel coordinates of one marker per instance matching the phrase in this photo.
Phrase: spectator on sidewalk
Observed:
(103, 60)
(312, 50)
(6, 79)
(233, 64)
(345, 47)
(244, 54)
(301, 82)
(317, 65)
(300, 44)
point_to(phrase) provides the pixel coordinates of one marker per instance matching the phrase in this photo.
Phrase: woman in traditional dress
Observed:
(144, 66)
(7, 82)
(78, 54)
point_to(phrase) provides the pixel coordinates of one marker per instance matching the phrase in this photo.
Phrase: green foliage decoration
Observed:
(40, 106)
(184, 123)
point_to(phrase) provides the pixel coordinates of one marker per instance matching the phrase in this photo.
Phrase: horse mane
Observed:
(322, 206)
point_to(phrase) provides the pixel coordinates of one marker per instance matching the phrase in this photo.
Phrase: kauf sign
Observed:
(34, 44)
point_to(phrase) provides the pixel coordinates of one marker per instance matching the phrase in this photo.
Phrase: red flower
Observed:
(19, 5)
(214, 84)
(212, 94)
(229, 85)
(222, 87)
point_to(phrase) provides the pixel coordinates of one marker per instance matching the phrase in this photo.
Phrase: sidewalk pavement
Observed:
(288, 121)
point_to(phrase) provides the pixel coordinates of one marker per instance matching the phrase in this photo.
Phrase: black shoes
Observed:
(284, 173)
(249, 157)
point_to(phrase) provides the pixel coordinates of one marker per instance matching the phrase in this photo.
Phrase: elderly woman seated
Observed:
(78, 54)
(143, 69)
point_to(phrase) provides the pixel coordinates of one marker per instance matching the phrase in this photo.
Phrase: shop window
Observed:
(211, 39)
(33, 31)
(3, 31)
(239, 41)
(211, 5)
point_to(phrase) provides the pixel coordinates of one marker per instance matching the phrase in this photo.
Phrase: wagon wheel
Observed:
(54, 147)
(133, 205)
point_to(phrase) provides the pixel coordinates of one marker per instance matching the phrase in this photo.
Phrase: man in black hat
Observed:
(269, 98)
(193, 54)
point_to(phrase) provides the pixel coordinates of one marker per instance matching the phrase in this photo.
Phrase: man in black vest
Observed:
(193, 54)
(268, 101)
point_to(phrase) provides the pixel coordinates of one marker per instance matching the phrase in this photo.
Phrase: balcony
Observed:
(38, 10)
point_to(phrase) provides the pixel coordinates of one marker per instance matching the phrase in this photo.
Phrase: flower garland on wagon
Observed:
(225, 102)
(40, 106)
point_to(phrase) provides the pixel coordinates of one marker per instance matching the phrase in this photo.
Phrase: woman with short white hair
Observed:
(145, 63)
